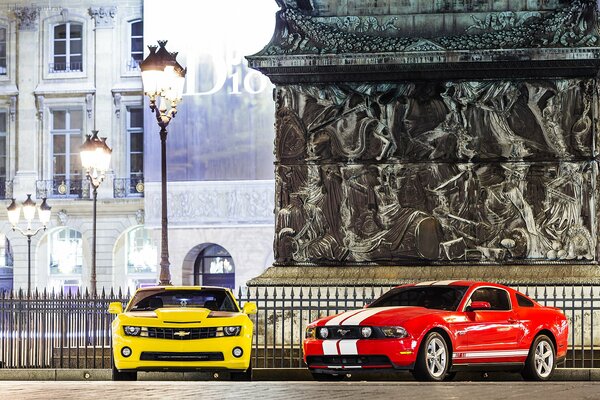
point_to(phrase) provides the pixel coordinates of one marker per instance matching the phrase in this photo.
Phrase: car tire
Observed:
(242, 376)
(328, 377)
(541, 360)
(433, 359)
(123, 375)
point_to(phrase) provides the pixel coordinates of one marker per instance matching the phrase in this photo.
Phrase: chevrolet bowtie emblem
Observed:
(343, 331)
(181, 333)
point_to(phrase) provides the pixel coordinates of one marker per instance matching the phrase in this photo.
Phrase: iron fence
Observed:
(50, 330)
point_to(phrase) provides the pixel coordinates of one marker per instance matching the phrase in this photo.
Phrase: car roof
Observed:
(454, 282)
(155, 288)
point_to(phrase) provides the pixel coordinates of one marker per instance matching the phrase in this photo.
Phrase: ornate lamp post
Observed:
(95, 158)
(163, 79)
(29, 207)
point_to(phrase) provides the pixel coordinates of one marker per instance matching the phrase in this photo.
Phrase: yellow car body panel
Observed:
(181, 322)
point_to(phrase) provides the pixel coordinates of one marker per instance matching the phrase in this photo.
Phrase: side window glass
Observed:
(497, 298)
(524, 301)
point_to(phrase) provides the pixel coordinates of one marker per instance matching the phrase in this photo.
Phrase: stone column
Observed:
(29, 129)
(100, 106)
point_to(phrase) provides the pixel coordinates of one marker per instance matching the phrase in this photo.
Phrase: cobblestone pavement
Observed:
(298, 390)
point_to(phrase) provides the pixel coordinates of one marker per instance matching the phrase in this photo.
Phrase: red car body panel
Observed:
(477, 338)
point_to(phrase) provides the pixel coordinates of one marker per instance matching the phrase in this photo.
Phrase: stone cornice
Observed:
(316, 47)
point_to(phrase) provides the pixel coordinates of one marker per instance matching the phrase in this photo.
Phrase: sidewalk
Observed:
(271, 374)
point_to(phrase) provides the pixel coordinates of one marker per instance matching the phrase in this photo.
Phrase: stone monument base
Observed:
(543, 274)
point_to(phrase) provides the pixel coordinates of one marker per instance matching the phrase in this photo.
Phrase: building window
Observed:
(3, 69)
(135, 136)
(3, 154)
(214, 267)
(142, 254)
(66, 142)
(66, 253)
(67, 48)
(142, 259)
(136, 49)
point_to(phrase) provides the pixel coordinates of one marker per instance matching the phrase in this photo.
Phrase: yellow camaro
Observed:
(182, 328)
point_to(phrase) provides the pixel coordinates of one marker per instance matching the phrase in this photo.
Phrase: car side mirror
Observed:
(250, 308)
(115, 307)
(479, 305)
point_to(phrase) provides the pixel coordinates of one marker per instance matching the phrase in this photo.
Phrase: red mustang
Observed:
(437, 328)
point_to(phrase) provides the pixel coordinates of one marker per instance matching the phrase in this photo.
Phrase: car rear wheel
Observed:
(242, 376)
(541, 360)
(433, 359)
(123, 375)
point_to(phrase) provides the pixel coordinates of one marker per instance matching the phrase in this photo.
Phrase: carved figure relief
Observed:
(492, 171)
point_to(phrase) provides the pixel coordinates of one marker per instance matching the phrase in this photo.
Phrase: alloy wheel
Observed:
(436, 357)
(544, 359)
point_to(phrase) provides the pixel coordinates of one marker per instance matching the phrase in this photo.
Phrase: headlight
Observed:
(366, 331)
(394, 332)
(132, 330)
(323, 333)
(231, 330)
(310, 333)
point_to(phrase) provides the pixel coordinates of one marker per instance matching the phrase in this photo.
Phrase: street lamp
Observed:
(163, 79)
(29, 207)
(95, 158)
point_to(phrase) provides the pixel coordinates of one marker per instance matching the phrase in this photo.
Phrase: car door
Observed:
(491, 334)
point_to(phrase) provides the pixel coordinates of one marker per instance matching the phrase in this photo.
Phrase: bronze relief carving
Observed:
(456, 171)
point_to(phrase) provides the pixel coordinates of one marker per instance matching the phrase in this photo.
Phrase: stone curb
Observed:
(270, 374)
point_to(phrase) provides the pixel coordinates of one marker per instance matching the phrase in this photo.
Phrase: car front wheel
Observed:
(541, 360)
(433, 359)
(123, 376)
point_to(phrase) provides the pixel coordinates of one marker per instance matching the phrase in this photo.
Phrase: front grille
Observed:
(160, 356)
(364, 361)
(344, 332)
(182, 333)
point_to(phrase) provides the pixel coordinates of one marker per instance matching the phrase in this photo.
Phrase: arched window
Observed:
(136, 45)
(141, 258)
(66, 259)
(214, 267)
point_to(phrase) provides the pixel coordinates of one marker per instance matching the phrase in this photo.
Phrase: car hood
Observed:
(379, 316)
(185, 315)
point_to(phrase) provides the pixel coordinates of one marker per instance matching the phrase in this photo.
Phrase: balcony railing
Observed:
(133, 65)
(58, 188)
(128, 187)
(65, 67)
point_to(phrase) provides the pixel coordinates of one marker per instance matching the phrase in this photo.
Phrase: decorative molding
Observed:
(12, 108)
(40, 106)
(27, 18)
(212, 203)
(89, 104)
(117, 102)
(63, 217)
(139, 217)
(300, 33)
(104, 17)
(65, 14)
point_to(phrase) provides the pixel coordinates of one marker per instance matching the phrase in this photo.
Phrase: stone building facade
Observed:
(435, 139)
(67, 68)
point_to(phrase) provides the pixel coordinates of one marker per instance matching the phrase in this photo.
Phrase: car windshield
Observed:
(213, 299)
(435, 297)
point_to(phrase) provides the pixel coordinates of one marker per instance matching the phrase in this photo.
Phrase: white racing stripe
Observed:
(491, 354)
(357, 318)
(330, 347)
(337, 320)
(428, 283)
(348, 347)
(444, 283)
